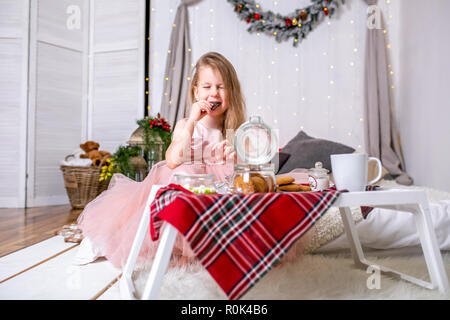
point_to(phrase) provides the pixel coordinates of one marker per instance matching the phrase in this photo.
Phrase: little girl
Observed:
(109, 222)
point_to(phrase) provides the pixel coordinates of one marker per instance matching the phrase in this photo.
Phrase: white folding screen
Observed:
(83, 61)
(57, 88)
(118, 70)
(13, 100)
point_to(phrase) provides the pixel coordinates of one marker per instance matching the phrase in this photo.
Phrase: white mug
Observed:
(350, 171)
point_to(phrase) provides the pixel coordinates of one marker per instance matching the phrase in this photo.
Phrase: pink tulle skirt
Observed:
(111, 220)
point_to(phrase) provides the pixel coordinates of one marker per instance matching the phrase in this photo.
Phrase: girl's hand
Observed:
(199, 110)
(224, 151)
(230, 154)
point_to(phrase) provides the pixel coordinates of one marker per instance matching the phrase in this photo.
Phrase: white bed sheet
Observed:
(392, 229)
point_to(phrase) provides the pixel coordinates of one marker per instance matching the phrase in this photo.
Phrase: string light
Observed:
(274, 61)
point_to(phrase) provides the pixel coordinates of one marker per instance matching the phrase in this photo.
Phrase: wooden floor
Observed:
(20, 228)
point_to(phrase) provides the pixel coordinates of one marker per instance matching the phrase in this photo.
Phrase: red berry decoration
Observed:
(257, 16)
(288, 22)
(325, 11)
(249, 18)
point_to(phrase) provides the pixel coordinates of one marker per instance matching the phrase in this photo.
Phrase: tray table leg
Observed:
(127, 289)
(352, 236)
(430, 247)
(160, 263)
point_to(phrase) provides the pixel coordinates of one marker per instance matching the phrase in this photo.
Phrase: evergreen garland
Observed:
(295, 25)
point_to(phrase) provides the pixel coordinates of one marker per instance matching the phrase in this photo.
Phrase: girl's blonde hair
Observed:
(235, 114)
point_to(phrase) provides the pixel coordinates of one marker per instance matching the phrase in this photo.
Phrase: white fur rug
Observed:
(314, 276)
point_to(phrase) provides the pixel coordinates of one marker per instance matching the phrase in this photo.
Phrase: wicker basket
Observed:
(82, 184)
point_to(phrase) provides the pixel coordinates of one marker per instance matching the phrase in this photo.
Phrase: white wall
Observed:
(316, 87)
(423, 105)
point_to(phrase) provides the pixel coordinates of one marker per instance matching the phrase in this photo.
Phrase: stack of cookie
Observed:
(286, 184)
(256, 183)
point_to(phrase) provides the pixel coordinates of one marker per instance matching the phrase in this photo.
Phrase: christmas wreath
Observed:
(295, 25)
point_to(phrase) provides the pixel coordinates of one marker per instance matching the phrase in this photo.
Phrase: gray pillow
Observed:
(305, 151)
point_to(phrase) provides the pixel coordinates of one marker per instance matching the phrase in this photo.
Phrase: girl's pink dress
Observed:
(111, 220)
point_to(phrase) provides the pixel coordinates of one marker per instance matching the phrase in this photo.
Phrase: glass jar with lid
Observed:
(255, 144)
(318, 177)
(197, 183)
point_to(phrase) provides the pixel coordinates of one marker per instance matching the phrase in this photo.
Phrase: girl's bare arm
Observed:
(181, 143)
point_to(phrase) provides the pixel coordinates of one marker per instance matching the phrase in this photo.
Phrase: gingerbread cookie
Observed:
(293, 187)
(245, 187)
(284, 180)
(259, 184)
(270, 184)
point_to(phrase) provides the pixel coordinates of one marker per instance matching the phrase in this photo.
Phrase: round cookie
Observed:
(246, 187)
(290, 187)
(259, 183)
(270, 184)
(284, 180)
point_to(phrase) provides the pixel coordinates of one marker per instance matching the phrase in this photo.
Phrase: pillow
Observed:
(279, 160)
(305, 151)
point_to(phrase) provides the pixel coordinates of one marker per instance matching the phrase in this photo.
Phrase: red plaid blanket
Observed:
(238, 238)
